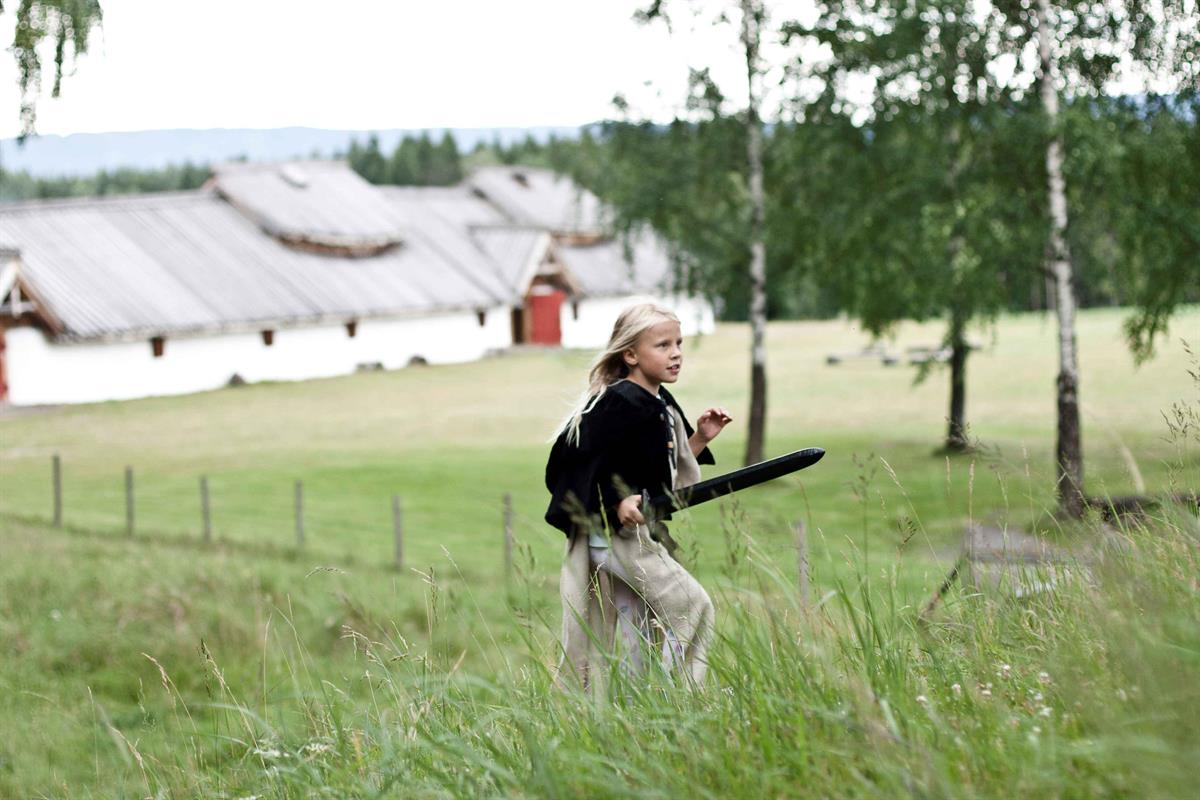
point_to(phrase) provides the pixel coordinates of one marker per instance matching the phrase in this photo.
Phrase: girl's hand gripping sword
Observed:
(655, 506)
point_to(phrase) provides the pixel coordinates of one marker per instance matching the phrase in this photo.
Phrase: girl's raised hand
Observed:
(712, 422)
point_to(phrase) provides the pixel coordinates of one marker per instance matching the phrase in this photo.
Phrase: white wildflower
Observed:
(956, 688)
(1121, 695)
(1044, 678)
(55, 614)
(1005, 671)
(922, 699)
(269, 753)
(1045, 711)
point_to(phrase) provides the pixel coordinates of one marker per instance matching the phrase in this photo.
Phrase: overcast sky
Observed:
(359, 64)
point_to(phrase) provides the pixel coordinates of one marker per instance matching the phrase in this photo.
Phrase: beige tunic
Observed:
(676, 599)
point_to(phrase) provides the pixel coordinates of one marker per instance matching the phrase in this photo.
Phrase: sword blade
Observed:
(735, 481)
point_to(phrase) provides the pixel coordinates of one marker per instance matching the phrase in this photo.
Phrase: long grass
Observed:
(1091, 690)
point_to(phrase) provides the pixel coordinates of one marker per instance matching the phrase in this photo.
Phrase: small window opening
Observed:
(481, 315)
(352, 328)
(268, 338)
(575, 310)
(157, 345)
(521, 178)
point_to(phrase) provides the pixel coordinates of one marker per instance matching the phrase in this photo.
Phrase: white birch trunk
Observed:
(751, 15)
(1069, 450)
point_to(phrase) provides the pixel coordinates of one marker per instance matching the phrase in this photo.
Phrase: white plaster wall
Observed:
(44, 372)
(597, 315)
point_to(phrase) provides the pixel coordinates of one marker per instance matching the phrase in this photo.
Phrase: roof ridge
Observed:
(507, 226)
(107, 201)
(413, 188)
(275, 165)
(515, 168)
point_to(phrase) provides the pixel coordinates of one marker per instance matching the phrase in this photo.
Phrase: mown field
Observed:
(158, 665)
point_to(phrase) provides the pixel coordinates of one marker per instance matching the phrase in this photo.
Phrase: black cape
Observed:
(622, 449)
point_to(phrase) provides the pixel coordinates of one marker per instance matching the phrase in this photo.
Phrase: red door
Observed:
(545, 303)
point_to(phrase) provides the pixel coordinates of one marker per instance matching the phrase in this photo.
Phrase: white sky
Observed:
(359, 64)
(378, 64)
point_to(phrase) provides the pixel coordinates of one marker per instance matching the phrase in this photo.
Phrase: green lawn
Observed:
(81, 609)
(452, 440)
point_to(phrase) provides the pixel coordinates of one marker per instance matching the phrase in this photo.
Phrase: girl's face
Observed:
(657, 356)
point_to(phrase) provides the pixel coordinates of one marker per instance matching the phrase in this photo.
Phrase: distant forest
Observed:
(416, 161)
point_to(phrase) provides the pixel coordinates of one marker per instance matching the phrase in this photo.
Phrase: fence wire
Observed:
(259, 513)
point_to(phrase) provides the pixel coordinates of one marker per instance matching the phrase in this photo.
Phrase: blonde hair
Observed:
(609, 366)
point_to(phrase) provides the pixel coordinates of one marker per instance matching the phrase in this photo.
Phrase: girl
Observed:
(628, 433)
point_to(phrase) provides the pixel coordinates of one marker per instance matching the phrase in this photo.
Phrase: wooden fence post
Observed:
(398, 531)
(56, 472)
(507, 535)
(205, 511)
(300, 513)
(129, 501)
(802, 559)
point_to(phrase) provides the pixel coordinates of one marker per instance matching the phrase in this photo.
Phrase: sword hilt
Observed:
(647, 506)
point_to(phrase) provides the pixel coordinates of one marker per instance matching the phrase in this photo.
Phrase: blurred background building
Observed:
(298, 270)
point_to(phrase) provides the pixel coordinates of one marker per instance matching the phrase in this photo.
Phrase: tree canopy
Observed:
(416, 161)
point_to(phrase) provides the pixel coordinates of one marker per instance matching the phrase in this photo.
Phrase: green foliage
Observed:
(1137, 180)
(448, 163)
(16, 186)
(368, 161)
(859, 216)
(68, 24)
(527, 152)
(416, 161)
(687, 181)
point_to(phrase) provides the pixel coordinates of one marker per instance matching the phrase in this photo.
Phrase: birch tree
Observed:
(1069, 444)
(752, 19)
(752, 14)
(1081, 47)
(916, 78)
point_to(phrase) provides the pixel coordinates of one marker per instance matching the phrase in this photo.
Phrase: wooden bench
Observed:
(868, 353)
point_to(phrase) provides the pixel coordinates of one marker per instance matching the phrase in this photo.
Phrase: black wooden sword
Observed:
(731, 482)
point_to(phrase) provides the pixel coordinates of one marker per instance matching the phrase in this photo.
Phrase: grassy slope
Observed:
(79, 610)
